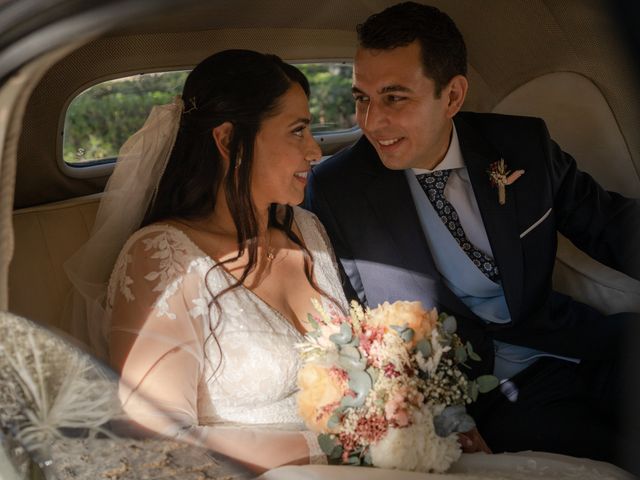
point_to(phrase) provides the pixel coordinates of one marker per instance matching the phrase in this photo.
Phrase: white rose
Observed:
(416, 448)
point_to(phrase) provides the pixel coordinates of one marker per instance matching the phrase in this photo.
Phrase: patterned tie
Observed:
(433, 185)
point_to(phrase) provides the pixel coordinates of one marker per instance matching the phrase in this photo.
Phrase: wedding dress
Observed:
(246, 374)
(243, 378)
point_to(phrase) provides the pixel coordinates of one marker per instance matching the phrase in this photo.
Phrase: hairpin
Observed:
(193, 107)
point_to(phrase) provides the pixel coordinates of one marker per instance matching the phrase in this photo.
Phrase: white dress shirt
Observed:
(459, 193)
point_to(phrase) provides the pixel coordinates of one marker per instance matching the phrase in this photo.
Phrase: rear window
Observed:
(101, 118)
(331, 102)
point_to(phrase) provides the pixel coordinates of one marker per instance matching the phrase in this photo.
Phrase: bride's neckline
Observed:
(290, 324)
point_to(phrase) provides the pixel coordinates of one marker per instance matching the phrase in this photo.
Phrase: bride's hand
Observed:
(472, 442)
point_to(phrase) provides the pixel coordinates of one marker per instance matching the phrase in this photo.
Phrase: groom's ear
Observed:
(222, 137)
(456, 92)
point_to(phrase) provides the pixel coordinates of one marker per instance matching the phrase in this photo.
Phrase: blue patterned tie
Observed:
(433, 185)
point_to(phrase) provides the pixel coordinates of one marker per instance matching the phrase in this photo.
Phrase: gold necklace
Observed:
(271, 251)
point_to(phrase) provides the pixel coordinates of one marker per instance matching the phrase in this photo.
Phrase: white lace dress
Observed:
(244, 375)
(245, 379)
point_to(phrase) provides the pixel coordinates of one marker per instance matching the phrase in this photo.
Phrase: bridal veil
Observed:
(128, 194)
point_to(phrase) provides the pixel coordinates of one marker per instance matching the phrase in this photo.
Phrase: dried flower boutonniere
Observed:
(500, 177)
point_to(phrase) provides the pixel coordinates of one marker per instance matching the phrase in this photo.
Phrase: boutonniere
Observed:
(500, 177)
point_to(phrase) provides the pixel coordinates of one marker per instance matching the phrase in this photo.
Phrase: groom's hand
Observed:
(472, 442)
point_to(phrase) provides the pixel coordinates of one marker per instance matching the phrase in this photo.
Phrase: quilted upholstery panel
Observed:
(45, 238)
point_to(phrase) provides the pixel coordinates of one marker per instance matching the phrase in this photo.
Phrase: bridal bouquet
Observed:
(383, 386)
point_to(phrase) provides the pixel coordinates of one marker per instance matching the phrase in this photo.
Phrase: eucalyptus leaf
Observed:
(486, 383)
(355, 341)
(337, 453)
(453, 418)
(314, 333)
(360, 382)
(351, 352)
(334, 420)
(312, 321)
(351, 359)
(473, 390)
(353, 459)
(349, 363)
(374, 373)
(467, 423)
(405, 333)
(327, 443)
(461, 354)
(367, 460)
(472, 354)
(424, 347)
(450, 325)
(344, 336)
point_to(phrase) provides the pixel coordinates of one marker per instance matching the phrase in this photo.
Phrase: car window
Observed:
(331, 101)
(102, 117)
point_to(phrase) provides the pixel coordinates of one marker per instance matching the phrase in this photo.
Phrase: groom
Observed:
(460, 211)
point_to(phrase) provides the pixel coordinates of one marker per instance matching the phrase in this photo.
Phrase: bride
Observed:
(206, 301)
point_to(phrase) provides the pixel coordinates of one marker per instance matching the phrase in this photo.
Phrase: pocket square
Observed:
(536, 223)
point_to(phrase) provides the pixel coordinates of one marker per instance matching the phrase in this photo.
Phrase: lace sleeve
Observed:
(156, 333)
(159, 310)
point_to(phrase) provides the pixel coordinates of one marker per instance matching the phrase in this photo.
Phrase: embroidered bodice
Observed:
(246, 372)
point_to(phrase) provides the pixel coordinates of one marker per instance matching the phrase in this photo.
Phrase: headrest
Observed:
(582, 123)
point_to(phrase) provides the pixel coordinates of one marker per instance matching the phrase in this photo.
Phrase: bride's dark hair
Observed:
(244, 88)
(237, 86)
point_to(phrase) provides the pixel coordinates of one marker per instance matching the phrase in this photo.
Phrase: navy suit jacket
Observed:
(372, 221)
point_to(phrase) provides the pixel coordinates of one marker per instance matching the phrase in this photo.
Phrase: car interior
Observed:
(563, 61)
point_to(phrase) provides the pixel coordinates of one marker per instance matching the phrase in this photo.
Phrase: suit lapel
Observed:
(391, 200)
(500, 221)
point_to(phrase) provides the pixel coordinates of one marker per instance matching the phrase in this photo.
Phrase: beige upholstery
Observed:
(580, 120)
(584, 279)
(45, 237)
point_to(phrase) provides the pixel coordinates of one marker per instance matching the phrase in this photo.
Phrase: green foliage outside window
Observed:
(100, 119)
(331, 103)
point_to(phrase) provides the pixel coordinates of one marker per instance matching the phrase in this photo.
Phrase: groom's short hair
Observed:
(444, 54)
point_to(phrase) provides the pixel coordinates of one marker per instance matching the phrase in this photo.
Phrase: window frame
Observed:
(104, 166)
